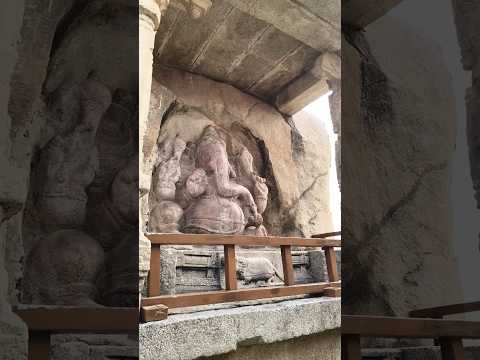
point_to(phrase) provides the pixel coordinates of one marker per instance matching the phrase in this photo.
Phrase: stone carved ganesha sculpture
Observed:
(213, 198)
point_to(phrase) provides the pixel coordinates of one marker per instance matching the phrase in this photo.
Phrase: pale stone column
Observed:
(150, 13)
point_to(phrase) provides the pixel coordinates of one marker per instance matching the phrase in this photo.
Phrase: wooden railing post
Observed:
(230, 267)
(287, 263)
(38, 345)
(351, 347)
(154, 275)
(331, 260)
(452, 349)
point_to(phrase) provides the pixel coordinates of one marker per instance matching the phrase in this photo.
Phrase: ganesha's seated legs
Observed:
(62, 269)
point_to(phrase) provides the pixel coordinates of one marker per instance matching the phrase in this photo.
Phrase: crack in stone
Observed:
(357, 249)
(307, 190)
(402, 202)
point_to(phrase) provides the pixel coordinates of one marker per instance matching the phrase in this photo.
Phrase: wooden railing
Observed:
(330, 288)
(449, 332)
(441, 311)
(43, 322)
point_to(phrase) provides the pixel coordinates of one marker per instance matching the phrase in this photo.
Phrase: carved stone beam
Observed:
(309, 86)
(357, 14)
(194, 8)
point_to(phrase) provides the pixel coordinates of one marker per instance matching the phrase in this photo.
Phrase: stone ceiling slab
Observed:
(358, 14)
(232, 46)
(316, 23)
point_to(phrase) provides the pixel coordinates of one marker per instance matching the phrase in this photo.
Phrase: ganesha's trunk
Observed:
(229, 189)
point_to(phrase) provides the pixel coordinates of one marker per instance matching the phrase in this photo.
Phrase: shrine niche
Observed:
(224, 163)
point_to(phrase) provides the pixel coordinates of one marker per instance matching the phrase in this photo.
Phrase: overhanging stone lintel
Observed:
(310, 86)
(357, 14)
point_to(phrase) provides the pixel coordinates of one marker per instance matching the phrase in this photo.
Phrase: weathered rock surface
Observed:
(208, 333)
(47, 100)
(397, 231)
(13, 333)
(466, 18)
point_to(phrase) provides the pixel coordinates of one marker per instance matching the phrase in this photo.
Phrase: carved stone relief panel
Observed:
(204, 186)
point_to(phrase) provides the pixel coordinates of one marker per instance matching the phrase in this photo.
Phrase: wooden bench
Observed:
(449, 332)
(330, 288)
(42, 322)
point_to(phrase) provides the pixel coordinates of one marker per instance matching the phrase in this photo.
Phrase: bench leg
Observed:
(351, 347)
(452, 349)
(38, 345)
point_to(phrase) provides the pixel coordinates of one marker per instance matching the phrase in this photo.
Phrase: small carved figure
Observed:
(166, 213)
(256, 269)
(80, 105)
(118, 212)
(69, 161)
(167, 171)
(66, 168)
(164, 217)
(256, 185)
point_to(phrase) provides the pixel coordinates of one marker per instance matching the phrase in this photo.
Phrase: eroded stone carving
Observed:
(214, 196)
(69, 161)
(257, 269)
(166, 214)
(117, 214)
(62, 269)
(196, 187)
(85, 213)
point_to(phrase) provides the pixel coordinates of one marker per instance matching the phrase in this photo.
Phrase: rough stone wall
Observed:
(466, 18)
(296, 167)
(44, 40)
(13, 333)
(397, 231)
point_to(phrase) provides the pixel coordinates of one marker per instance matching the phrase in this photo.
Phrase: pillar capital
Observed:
(194, 8)
(152, 10)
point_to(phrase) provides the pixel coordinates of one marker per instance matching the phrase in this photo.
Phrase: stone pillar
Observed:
(150, 13)
(149, 20)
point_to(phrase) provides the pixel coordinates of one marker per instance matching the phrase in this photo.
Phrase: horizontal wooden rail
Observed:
(84, 319)
(380, 326)
(327, 235)
(223, 296)
(246, 240)
(441, 311)
(42, 322)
